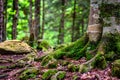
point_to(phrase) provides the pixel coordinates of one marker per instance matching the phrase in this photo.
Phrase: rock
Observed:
(116, 68)
(14, 47)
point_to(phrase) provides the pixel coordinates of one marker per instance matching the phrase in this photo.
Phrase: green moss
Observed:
(46, 60)
(83, 68)
(47, 75)
(52, 64)
(29, 73)
(59, 75)
(74, 50)
(110, 56)
(3, 67)
(75, 77)
(43, 45)
(100, 62)
(63, 62)
(73, 68)
(116, 68)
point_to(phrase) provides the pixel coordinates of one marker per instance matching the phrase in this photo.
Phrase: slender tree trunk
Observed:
(1, 20)
(73, 25)
(37, 17)
(15, 19)
(31, 22)
(61, 28)
(5, 19)
(82, 26)
(43, 19)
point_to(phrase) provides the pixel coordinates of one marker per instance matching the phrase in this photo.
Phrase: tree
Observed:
(43, 19)
(61, 28)
(5, 19)
(1, 20)
(73, 25)
(37, 17)
(15, 19)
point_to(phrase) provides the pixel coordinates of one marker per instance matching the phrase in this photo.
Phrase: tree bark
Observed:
(5, 19)
(94, 26)
(1, 20)
(37, 17)
(73, 25)
(43, 19)
(61, 28)
(15, 19)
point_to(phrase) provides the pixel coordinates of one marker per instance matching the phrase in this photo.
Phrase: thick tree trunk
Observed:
(37, 17)
(61, 28)
(1, 20)
(43, 19)
(73, 25)
(15, 19)
(94, 26)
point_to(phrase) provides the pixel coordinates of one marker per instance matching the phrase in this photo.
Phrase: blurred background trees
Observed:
(57, 21)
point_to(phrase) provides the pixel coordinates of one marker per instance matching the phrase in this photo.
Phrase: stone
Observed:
(14, 47)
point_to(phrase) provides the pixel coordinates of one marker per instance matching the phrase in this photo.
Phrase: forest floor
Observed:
(12, 73)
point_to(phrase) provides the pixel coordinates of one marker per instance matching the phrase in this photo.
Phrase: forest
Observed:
(59, 39)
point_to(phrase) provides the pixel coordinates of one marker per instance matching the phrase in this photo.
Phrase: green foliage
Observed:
(47, 75)
(116, 68)
(43, 45)
(52, 18)
(73, 68)
(100, 62)
(29, 73)
(75, 50)
(59, 75)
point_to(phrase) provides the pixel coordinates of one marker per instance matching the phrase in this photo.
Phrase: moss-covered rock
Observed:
(47, 75)
(59, 75)
(73, 68)
(29, 73)
(100, 62)
(14, 47)
(116, 68)
(43, 45)
(49, 61)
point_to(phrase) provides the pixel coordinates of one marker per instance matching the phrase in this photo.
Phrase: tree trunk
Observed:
(43, 19)
(1, 20)
(94, 26)
(5, 19)
(61, 28)
(74, 19)
(31, 23)
(37, 17)
(15, 19)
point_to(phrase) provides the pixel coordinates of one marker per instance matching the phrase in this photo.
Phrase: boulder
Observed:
(14, 47)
